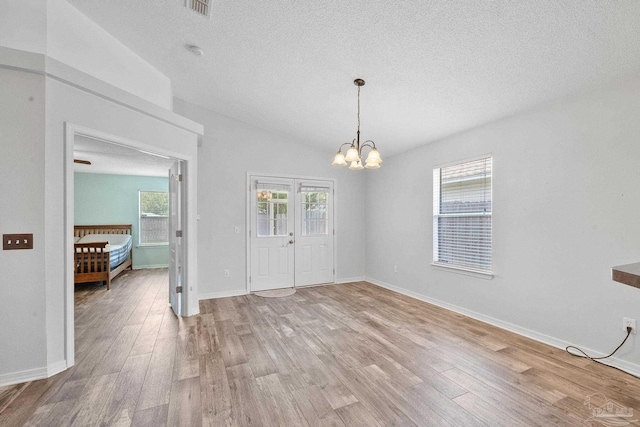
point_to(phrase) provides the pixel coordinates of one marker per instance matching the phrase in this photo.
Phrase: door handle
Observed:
(291, 242)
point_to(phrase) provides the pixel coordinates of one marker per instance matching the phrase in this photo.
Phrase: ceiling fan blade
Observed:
(84, 162)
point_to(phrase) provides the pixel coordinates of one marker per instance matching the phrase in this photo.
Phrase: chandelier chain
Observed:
(358, 115)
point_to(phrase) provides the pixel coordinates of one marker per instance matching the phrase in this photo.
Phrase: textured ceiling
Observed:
(432, 68)
(115, 159)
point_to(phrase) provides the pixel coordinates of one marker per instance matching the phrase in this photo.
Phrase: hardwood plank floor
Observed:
(338, 355)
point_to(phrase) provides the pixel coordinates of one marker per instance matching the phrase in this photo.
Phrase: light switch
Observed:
(17, 241)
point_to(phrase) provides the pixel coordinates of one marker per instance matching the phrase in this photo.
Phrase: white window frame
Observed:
(140, 242)
(465, 269)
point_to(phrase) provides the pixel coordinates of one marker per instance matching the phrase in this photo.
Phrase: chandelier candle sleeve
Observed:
(354, 152)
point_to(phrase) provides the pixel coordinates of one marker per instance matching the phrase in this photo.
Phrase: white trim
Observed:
(36, 63)
(224, 294)
(350, 280)
(71, 130)
(56, 368)
(187, 309)
(462, 270)
(528, 333)
(149, 266)
(465, 160)
(33, 374)
(23, 376)
(69, 188)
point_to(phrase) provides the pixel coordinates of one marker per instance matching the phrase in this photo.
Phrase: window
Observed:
(314, 211)
(272, 212)
(462, 210)
(154, 217)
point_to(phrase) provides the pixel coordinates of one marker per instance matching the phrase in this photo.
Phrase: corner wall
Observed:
(22, 279)
(566, 202)
(57, 29)
(75, 40)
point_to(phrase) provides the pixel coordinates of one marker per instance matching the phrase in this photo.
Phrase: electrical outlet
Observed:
(226, 273)
(236, 229)
(395, 268)
(626, 322)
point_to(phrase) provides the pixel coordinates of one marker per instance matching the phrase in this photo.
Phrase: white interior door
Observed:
(314, 233)
(176, 248)
(272, 234)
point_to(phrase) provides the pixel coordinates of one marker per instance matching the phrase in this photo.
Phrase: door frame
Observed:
(177, 248)
(189, 223)
(249, 179)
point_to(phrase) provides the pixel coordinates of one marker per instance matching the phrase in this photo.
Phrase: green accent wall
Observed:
(113, 199)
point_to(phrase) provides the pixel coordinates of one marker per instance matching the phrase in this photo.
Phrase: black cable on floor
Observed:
(597, 359)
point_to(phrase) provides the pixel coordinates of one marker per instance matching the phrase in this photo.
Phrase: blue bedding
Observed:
(119, 244)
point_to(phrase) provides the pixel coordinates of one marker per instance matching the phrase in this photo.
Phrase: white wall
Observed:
(566, 209)
(23, 25)
(57, 29)
(74, 39)
(22, 281)
(229, 150)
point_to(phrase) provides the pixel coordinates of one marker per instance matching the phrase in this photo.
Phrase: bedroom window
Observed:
(462, 208)
(154, 217)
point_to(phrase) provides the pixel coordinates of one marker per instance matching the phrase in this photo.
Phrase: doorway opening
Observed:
(113, 157)
(291, 238)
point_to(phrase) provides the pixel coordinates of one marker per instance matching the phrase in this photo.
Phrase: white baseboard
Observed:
(56, 368)
(142, 267)
(224, 294)
(33, 374)
(350, 279)
(23, 376)
(537, 336)
(238, 292)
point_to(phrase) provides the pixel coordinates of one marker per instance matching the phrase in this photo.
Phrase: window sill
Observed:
(153, 245)
(462, 270)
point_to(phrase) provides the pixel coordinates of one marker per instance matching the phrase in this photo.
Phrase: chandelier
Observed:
(354, 153)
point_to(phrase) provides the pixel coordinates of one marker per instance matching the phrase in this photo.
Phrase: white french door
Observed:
(314, 232)
(272, 234)
(291, 232)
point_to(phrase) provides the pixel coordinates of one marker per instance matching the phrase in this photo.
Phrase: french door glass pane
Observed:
(272, 215)
(314, 213)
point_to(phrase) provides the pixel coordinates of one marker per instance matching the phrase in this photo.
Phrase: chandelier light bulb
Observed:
(352, 155)
(356, 165)
(339, 160)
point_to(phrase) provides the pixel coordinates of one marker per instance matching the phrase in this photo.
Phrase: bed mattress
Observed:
(119, 246)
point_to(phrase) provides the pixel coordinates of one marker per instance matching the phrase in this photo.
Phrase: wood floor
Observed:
(339, 355)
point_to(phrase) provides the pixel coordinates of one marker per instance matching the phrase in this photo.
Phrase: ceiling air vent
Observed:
(201, 7)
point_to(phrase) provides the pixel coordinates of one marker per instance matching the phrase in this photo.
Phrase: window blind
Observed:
(273, 186)
(462, 215)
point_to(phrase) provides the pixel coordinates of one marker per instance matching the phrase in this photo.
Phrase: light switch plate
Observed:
(17, 241)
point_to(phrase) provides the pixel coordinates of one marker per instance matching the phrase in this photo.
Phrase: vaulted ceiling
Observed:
(432, 67)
